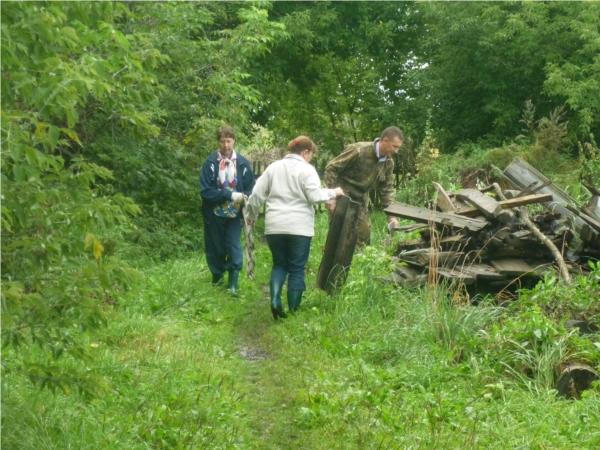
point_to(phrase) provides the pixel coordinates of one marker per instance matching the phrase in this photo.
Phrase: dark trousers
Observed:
(290, 254)
(222, 244)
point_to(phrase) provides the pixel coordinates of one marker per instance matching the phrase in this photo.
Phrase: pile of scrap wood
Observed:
(489, 237)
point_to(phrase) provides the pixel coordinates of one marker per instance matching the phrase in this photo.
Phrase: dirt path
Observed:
(269, 401)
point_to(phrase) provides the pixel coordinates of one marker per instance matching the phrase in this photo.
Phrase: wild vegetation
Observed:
(112, 336)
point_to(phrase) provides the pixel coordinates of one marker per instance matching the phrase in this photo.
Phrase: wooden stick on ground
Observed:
(564, 272)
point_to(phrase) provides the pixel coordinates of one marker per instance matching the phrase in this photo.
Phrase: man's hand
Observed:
(251, 222)
(393, 220)
(237, 197)
(330, 205)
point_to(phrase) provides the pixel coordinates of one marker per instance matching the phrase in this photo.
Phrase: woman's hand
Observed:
(251, 222)
(330, 205)
(338, 191)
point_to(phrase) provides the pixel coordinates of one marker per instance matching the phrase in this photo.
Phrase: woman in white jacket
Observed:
(289, 188)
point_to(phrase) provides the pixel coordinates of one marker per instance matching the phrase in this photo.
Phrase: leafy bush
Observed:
(61, 64)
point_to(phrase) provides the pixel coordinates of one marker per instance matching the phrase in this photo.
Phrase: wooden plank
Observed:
(521, 234)
(424, 257)
(406, 283)
(511, 267)
(443, 200)
(456, 275)
(411, 245)
(521, 174)
(340, 244)
(589, 219)
(484, 203)
(533, 188)
(517, 267)
(425, 215)
(454, 243)
(482, 271)
(593, 213)
(406, 272)
(511, 203)
(410, 228)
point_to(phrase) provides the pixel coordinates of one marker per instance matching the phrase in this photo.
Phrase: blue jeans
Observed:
(290, 254)
(222, 244)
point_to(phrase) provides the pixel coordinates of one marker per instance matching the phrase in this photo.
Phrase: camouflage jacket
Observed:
(357, 170)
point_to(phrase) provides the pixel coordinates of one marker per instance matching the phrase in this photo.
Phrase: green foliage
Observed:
(174, 374)
(576, 77)
(531, 348)
(487, 59)
(62, 64)
(205, 84)
(342, 74)
(590, 163)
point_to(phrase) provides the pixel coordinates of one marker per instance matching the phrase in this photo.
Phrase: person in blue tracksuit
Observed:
(225, 178)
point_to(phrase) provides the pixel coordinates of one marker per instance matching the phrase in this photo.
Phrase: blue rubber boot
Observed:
(234, 276)
(217, 280)
(276, 307)
(294, 298)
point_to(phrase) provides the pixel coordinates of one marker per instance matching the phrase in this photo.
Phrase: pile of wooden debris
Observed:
(486, 238)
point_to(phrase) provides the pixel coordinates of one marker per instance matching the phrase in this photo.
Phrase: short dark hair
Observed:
(225, 131)
(392, 132)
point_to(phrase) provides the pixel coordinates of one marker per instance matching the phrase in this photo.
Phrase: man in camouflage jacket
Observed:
(361, 167)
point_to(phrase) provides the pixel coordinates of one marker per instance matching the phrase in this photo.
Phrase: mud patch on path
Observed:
(252, 353)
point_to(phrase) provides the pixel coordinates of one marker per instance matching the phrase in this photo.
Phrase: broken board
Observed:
(425, 215)
(513, 267)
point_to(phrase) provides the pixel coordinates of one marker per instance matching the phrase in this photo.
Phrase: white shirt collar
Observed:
(381, 158)
(295, 156)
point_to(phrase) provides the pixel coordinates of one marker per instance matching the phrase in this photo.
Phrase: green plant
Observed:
(61, 64)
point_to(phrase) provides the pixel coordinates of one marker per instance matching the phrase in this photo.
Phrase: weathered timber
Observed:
(427, 256)
(425, 215)
(536, 189)
(521, 234)
(589, 219)
(406, 272)
(482, 271)
(548, 243)
(411, 245)
(443, 200)
(449, 242)
(521, 174)
(516, 267)
(412, 227)
(533, 188)
(527, 189)
(484, 203)
(456, 275)
(398, 280)
(590, 212)
(340, 244)
(511, 203)
(445, 242)
(539, 252)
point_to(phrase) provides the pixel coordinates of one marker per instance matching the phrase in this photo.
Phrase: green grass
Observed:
(371, 368)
